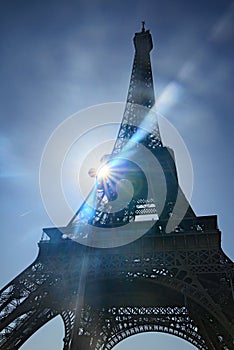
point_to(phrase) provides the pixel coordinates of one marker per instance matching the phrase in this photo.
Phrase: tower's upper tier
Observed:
(143, 41)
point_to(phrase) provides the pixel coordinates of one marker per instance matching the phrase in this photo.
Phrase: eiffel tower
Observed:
(161, 274)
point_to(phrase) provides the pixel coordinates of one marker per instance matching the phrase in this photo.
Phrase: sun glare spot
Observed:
(103, 171)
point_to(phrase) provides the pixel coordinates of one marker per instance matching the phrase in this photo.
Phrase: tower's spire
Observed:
(140, 93)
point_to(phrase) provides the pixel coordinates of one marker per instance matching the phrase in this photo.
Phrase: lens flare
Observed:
(103, 172)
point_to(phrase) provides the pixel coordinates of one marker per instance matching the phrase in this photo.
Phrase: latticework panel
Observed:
(128, 321)
(104, 329)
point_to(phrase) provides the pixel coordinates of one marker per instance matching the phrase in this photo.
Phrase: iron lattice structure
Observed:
(179, 283)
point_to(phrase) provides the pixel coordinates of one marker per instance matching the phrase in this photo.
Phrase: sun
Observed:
(103, 171)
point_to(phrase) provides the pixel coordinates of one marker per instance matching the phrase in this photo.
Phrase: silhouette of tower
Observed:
(175, 278)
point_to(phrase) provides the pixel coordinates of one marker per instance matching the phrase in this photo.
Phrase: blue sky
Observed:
(58, 57)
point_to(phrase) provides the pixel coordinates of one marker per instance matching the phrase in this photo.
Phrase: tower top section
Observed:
(140, 97)
(143, 40)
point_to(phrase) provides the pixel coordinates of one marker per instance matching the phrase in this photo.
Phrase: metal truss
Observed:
(120, 323)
